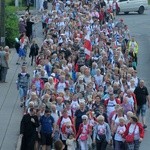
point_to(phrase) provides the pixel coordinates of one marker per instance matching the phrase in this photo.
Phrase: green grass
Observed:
(149, 2)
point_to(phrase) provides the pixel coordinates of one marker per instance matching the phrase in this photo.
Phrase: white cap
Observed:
(85, 117)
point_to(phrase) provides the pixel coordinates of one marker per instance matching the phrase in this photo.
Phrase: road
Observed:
(10, 112)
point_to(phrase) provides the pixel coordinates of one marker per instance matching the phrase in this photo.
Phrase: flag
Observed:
(87, 45)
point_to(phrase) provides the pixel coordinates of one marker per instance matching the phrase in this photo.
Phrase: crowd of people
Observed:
(84, 91)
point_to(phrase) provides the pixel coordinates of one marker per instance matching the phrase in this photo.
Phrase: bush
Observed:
(11, 26)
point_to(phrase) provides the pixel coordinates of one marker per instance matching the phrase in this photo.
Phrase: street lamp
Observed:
(2, 22)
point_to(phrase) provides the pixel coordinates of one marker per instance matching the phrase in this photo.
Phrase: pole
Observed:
(2, 22)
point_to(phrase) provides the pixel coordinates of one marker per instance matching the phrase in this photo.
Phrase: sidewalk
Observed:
(10, 111)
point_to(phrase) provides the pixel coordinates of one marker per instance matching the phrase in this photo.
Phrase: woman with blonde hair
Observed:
(102, 134)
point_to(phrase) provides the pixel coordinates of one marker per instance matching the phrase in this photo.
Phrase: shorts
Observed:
(22, 92)
(141, 110)
(22, 52)
(46, 139)
(43, 25)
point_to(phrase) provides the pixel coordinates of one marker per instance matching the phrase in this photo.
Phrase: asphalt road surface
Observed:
(10, 112)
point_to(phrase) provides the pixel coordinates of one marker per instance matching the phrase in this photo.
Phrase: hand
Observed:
(52, 135)
(39, 135)
(32, 120)
(140, 140)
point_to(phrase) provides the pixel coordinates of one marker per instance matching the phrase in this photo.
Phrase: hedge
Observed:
(11, 25)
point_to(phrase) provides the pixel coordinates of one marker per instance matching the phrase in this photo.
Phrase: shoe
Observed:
(144, 126)
(17, 63)
(21, 105)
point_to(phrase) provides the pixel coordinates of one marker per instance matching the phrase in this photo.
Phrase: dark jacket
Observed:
(28, 129)
(34, 50)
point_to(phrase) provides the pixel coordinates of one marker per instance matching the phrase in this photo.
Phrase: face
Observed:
(81, 106)
(33, 112)
(48, 114)
(121, 123)
(141, 83)
(101, 109)
(84, 120)
(65, 114)
(97, 99)
(100, 121)
(53, 108)
(71, 136)
(67, 105)
(33, 87)
(112, 97)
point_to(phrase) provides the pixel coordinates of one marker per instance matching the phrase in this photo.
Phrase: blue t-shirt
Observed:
(46, 124)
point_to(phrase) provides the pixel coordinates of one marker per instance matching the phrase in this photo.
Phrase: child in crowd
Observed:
(71, 142)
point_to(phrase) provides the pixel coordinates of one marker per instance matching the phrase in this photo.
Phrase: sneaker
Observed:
(144, 126)
(17, 63)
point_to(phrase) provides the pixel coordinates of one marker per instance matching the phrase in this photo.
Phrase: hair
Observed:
(58, 145)
(100, 117)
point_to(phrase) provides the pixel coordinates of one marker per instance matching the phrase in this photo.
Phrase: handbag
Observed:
(83, 137)
(101, 137)
(130, 137)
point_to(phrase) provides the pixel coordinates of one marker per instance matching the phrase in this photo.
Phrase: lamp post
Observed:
(2, 22)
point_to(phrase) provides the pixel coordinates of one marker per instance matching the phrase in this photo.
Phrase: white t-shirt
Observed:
(87, 79)
(98, 79)
(111, 106)
(74, 105)
(64, 121)
(119, 132)
(101, 129)
(136, 133)
(115, 118)
(61, 87)
(131, 101)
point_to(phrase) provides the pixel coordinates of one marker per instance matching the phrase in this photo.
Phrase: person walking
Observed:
(142, 96)
(47, 130)
(29, 124)
(85, 130)
(33, 51)
(102, 134)
(28, 4)
(135, 47)
(4, 56)
(133, 128)
(23, 83)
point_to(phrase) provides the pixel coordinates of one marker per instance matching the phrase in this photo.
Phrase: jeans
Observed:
(119, 145)
(3, 73)
(101, 145)
(83, 145)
